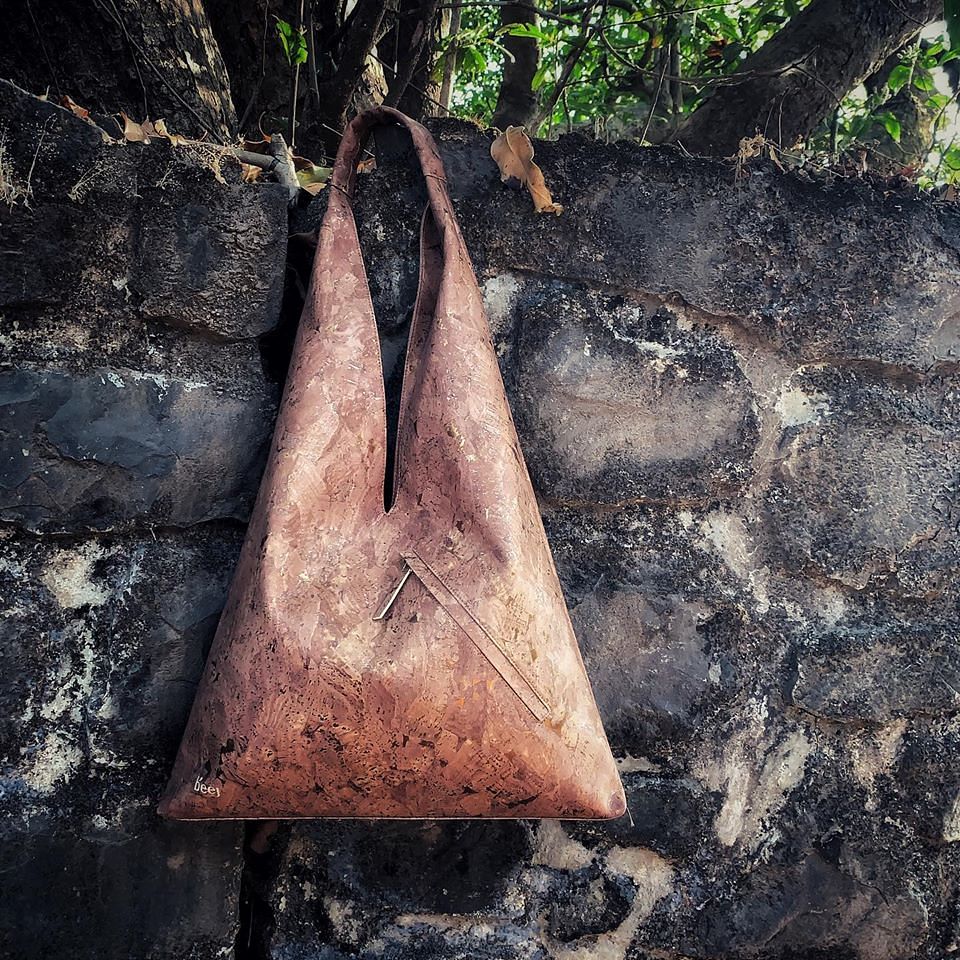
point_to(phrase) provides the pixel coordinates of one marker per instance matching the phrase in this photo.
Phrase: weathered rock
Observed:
(169, 892)
(892, 670)
(650, 664)
(96, 684)
(208, 256)
(866, 482)
(794, 263)
(618, 404)
(154, 231)
(127, 423)
(738, 401)
(104, 448)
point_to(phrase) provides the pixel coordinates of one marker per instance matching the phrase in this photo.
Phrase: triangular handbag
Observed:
(410, 660)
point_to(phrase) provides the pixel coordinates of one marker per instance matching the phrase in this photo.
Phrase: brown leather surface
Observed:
(468, 696)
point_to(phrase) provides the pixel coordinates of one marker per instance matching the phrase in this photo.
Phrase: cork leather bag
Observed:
(413, 659)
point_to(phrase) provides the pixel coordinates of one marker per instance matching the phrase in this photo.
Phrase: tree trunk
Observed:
(338, 78)
(259, 75)
(149, 58)
(796, 78)
(421, 99)
(413, 39)
(516, 101)
(450, 60)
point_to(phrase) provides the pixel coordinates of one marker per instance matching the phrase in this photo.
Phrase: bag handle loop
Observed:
(344, 176)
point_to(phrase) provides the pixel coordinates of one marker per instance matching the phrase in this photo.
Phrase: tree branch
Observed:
(516, 101)
(587, 33)
(803, 70)
(364, 28)
(408, 64)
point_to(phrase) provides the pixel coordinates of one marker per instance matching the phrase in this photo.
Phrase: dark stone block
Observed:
(807, 909)
(209, 256)
(865, 486)
(436, 866)
(649, 665)
(926, 781)
(55, 155)
(878, 673)
(588, 902)
(170, 892)
(849, 270)
(616, 404)
(671, 816)
(105, 448)
(104, 641)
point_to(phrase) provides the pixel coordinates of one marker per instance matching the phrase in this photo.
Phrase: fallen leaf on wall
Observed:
(313, 179)
(134, 132)
(149, 130)
(82, 112)
(513, 153)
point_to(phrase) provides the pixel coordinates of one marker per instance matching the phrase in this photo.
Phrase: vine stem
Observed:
(296, 87)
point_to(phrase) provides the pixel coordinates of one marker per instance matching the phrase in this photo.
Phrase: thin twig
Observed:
(263, 71)
(284, 169)
(573, 56)
(943, 155)
(703, 80)
(933, 127)
(653, 101)
(43, 47)
(910, 17)
(413, 86)
(312, 55)
(295, 93)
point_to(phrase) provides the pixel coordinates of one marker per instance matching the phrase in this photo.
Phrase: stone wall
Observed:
(739, 403)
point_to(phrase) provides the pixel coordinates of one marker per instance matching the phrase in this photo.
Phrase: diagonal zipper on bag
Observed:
(475, 631)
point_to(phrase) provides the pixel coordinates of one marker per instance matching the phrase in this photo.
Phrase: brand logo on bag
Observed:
(207, 791)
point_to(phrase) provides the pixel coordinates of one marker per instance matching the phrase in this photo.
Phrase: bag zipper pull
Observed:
(393, 595)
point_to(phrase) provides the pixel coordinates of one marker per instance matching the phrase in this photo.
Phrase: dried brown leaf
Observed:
(513, 153)
(249, 172)
(313, 179)
(82, 112)
(134, 132)
(256, 146)
(159, 129)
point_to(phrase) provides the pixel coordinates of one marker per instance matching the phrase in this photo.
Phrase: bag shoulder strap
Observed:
(344, 176)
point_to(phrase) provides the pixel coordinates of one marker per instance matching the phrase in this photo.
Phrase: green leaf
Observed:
(472, 60)
(293, 42)
(899, 75)
(923, 81)
(525, 30)
(539, 77)
(891, 124)
(951, 13)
